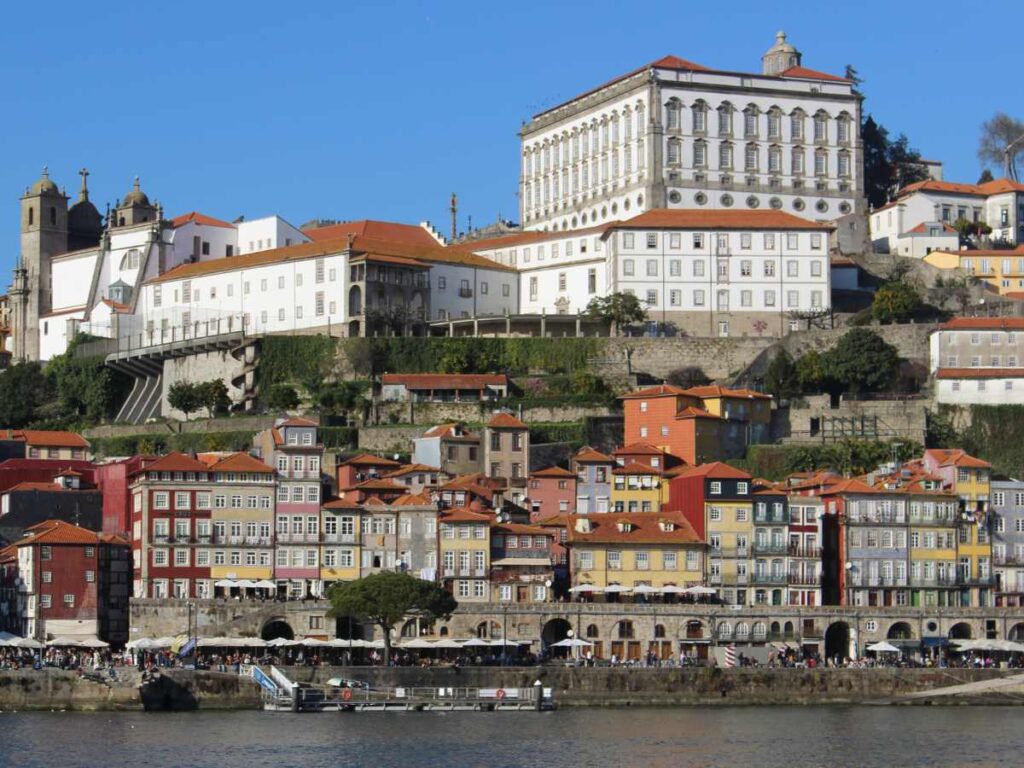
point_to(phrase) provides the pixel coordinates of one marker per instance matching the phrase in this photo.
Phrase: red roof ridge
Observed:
(200, 218)
(505, 420)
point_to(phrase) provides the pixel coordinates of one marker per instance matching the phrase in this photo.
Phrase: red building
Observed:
(14, 471)
(669, 418)
(113, 480)
(552, 491)
(70, 582)
(363, 467)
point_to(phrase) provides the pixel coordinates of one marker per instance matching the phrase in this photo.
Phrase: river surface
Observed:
(761, 737)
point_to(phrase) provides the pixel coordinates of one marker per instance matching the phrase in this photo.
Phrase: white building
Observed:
(675, 134)
(920, 208)
(710, 272)
(979, 361)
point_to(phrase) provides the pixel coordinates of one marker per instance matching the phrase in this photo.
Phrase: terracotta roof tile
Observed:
(297, 421)
(445, 380)
(636, 468)
(47, 438)
(684, 218)
(242, 462)
(340, 504)
(715, 391)
(553, 472)
(983, 323)
(448, 430)
(369, 460)
(923, 228)
(411, 469)
(57, 532)
(199, 218)
(174, 462)
(803, 73)
(414, 500)
(503, 420)
(587, 455)
(649, 393)
(519, 528)
(380, 230)
(979, 373)
(646, 528)
(638, 449)
(464, 515)
(696, 413)
(718, 470)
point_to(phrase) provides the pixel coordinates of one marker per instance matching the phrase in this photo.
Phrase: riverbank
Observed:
(182, 690)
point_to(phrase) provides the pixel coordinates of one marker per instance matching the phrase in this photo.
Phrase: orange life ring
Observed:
(500, 693)
(346, 694)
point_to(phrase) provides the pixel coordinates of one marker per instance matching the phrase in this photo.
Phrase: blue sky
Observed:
(338, 110)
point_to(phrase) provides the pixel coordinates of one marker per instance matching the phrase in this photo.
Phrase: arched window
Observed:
(673, 114)
(750, 115)
(725, 119)
(750, 157)
(700, 117)
(625, 629)
(443, 632)
(774, 123)
(675, 150)
(821, 125)
(760, 631)
(53, 215)
(796, 124)
(725, 155)
(700, 154)
(742, 631)
(131, 259)
(592, 630)
(724, 630)
(659, 631)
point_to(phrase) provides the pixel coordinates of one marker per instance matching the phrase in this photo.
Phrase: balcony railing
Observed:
(770, 548)
(769, 578)
(341, 538)
(813, 553)
(803, 580)
(298, 538)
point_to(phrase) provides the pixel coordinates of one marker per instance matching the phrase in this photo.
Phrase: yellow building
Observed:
(637, 487)
(242, 518)
(465, 547)
(1003, 270)
(340, 554)
(933, 516)
(970, 480)
(632, 550)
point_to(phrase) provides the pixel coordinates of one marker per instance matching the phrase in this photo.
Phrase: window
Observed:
(627, 268)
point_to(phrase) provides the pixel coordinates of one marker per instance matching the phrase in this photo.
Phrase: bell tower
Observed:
(44, 234)
(780, 56)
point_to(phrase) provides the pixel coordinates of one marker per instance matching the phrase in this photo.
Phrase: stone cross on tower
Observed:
(84, 193)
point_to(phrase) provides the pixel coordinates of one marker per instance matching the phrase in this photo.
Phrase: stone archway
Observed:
(837, 640)
(900, 630)
(276, 628)
(555, 630)
(960, 631)
(1016, 633)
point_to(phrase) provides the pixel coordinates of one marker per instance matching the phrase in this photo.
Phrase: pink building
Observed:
(552, 491)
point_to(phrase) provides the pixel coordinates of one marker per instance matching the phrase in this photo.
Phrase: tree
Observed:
(282, 397)
(687, 376)
(986, 177)
(617, 309)
(23, 389)
(387, 597)
(781, 380)
(185, 397)
(213, 395)
(895, 302)
(812, 373)
(1001, 142)
(862, 361)
(888, 164)
(953, 287)
(339, 396)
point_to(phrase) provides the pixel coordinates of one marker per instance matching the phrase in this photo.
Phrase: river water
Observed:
(761, 737)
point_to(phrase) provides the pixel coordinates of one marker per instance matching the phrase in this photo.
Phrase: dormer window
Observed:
(624, 527)
(667, 526)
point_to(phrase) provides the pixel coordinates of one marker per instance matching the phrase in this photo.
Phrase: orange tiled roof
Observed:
(587, 455)
(297, 421)
(956, 457)
(714, 391)
(175, 462)
(552, 472)
(379, 230)
(45, 438)
(447, 430)
(849, 485)
(199, 218)
(718, 470)
(983, 323)
(408, 469)
(684, 218)
(696, 413)
(445, 380)
(242, 462)
(661, 390)
(519, 528)
(502, 420)
(1000, 186)
(57, 532)
(413, 500)
(638, 449)
(803, 73)
(636, 468)
(464, 515)
(922, 228)
(931, 185)
(35, 486)
(979, 373)
(646, 529)
(369, 460)
(376, 484)
(342, 504)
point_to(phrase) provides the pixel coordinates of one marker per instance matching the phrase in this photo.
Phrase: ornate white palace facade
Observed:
(675, 134)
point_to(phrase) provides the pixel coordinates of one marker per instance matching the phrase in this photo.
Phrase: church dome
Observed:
(45, 185)
(781, 44)
(136, 196)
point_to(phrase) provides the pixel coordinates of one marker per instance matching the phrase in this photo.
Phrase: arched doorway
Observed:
(276, 628)
(1016, 633)
(348, 628)
(555, 630)
(355, 301)
(901, 630)
(960, 631)
(837, 640)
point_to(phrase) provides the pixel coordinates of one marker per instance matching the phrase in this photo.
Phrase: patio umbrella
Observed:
(281, 642)
(93, 642)
(65, 642)
(225, 583)
(417, 643)
(475, 642)
(699, 590)
(251, 642)
(585, 588)
(265, 584)
(339, 642)
(617, 588)
(447, 643)
(312, 642)
(246, 584)
(571, 642)
(672, 589)
(26, 642)
(882, 647)
(646, 589)
(505, 643)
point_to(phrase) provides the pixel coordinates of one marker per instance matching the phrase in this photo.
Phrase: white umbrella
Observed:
(342, 643)
(505, 643)
(617, 588)
(6, 636)
(475, 642)
(373, 643)
(417, 642)
(585, 588)
(246, 584)
(646, 589)
(672, 589)
(225, 583)
(64, 641)
(281, 642)
(882, 647)
(266, 584)
(251, 642)
(93, 642)
(447, 643)
(571, 642)
(699, 590)
(26, 642)
(312, 642)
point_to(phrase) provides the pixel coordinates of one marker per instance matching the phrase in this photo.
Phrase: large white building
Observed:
(675, 134)
(979, 361)
(921, 218)
(709, 272)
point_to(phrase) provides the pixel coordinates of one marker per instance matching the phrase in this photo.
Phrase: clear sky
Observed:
(380, 110)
